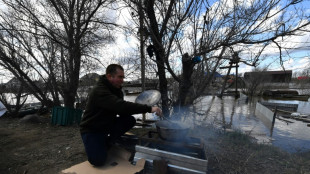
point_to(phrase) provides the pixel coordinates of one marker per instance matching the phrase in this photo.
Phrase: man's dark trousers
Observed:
(96, 144)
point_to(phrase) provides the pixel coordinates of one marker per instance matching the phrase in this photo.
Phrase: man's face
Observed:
(116, 79)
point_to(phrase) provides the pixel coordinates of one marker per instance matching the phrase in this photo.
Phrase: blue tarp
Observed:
(216, 74)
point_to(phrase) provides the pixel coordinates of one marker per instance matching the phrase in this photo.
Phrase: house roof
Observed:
(272, 72)
(216, 74)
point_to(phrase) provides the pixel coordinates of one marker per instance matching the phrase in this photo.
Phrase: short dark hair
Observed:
(112, 68)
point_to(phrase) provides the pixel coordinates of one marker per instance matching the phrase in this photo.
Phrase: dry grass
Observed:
(238, 153)
(235, 152)
(42, 148)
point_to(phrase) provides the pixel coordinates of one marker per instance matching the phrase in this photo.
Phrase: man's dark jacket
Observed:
(104, 103)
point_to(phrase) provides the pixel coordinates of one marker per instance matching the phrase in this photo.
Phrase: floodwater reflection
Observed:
(229, 112)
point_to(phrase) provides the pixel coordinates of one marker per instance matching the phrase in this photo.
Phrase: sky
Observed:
(296, 59)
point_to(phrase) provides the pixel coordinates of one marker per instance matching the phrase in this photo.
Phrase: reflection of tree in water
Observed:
(209, 109)
(221, 112)
(200, 117)
(224, 124)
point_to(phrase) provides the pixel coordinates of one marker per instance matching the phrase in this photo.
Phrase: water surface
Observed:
(239, 114)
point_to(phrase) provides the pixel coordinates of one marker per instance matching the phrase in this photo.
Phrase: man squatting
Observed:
(107, 115)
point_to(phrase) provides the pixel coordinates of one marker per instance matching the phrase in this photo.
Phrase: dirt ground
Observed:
(38, 147)
(44, 148)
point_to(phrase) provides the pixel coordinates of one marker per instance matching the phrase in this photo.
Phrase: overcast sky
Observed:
(294, 59)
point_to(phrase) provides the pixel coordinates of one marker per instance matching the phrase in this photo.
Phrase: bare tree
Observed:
(15, 101)
(54, 39)
(202, 35)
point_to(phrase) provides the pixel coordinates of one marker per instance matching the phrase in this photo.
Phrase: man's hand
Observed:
(157, 110)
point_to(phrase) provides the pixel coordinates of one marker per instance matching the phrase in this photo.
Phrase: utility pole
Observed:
(142, 53)
(226, 78)
(235, 60)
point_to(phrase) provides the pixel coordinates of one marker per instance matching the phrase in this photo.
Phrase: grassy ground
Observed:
(44, 148)
(235, 152)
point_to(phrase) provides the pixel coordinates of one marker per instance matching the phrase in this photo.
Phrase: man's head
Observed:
(115, 75)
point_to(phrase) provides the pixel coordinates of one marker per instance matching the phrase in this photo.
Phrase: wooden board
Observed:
(118, 157)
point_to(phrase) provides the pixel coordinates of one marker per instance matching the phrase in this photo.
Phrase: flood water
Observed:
(239, 114)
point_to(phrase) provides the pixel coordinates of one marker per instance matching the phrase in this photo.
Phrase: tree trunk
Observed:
(163, 83)
(186, 82)
(73, 81)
